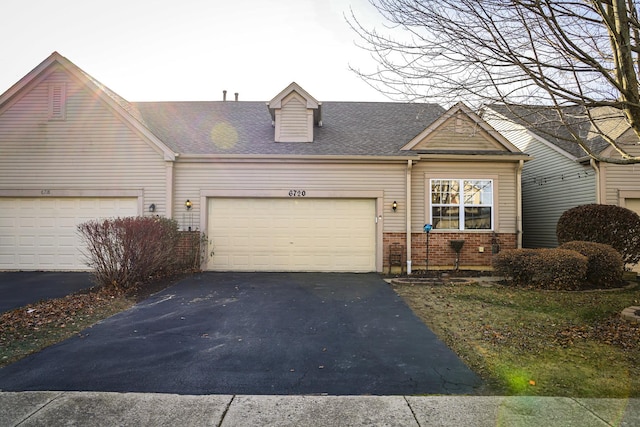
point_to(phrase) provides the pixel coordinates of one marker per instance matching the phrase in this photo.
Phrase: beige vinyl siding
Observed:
(620, 178)
(551, 183)
(92, 148)
(504, 182)
(280, 178)
(459, 133)
(296, 122)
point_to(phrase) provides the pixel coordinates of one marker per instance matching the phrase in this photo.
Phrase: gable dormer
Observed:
(460, 129)
(294, 114)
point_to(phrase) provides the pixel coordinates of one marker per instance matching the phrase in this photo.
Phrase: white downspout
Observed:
(169, 188)
(519, 204)
(408, 208)
(594, 165)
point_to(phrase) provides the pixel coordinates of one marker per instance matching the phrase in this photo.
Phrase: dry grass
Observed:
(531, 342)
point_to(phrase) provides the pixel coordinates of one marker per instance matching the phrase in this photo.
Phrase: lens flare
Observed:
(224, 136)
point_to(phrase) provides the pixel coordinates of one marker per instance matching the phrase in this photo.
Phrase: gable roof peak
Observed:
(113, 100)
(310, 102)
(276, 102)
(491, 139)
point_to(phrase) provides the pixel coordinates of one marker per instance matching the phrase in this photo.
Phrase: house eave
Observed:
(270, 158)
(476, 157)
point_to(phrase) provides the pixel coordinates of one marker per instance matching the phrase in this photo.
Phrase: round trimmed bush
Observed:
(608, 224)
(517, 265)
(560, 269)
(604, 263)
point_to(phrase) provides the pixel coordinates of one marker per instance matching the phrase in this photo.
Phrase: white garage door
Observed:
(264, 234)
(40, 233)
(633, 204)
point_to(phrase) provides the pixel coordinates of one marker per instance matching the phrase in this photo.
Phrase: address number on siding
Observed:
(297, 193)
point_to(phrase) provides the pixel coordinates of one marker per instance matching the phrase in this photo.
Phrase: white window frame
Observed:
(461, 203)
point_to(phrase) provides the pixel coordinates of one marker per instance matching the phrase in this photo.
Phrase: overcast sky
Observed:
(188, 50)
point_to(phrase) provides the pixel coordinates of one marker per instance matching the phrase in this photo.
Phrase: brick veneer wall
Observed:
(188, 249)
(440, 252)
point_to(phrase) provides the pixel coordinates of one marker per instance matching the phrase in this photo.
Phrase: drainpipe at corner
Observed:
(596, 168)
(408, 210)
(168, 185)
(519, 204)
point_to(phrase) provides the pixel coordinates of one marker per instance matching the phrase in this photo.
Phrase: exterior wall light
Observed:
(152, 207)
(394, 206)
(188, 204)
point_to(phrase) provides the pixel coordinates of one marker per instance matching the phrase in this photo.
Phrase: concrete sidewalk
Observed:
(137, 409)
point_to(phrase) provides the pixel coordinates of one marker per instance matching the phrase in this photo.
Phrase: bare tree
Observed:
(580, 58)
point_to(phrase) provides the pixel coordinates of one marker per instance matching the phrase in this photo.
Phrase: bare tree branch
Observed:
(554, 53)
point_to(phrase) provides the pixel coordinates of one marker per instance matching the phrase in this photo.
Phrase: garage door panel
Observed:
(292, 234)
(41, 234)
(26, 259)
(26, 241)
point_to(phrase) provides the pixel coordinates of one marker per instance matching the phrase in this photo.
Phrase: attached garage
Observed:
(633, 204)
(40, 233)
(292, 234)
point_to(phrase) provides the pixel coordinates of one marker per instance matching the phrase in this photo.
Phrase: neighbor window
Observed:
(462, 204)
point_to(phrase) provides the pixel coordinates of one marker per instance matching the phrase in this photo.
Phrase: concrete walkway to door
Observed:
(255, 333)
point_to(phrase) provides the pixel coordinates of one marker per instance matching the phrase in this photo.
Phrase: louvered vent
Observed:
(57, 101)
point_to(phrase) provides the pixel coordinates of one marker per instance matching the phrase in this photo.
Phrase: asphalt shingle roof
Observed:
(349, 128)
(545, 122)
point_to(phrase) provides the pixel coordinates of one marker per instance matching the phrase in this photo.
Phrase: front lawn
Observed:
(532, 342)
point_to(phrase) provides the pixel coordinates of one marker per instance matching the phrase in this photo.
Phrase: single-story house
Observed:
(561, 175)
(292, 184)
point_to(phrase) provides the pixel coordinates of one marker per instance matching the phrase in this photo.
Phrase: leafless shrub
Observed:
(126, 251)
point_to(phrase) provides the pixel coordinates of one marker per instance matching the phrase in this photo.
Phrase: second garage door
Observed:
(41, 234)
(268, 234)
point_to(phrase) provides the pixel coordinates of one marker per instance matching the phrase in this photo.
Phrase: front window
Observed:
(462, 204)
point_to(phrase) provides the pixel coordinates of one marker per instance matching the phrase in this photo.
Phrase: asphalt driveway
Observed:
(19, 288)
(254, 333)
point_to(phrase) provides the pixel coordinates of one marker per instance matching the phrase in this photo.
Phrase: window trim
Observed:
(461, 205)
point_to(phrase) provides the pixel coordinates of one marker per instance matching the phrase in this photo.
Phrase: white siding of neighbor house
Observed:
(277, 179)
(294, 120)
(504, 181)
(551, 183)
(91, 150)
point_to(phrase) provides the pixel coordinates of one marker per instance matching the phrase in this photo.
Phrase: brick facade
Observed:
(477, 250)
(188, 249)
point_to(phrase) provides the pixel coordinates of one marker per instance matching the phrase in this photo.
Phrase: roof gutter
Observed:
(476, 157)
(276, 158)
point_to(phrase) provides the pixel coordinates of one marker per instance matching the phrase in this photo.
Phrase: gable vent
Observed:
(57, 101)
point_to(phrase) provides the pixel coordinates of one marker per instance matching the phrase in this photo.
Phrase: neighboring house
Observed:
(293, 184)
(561, 176)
